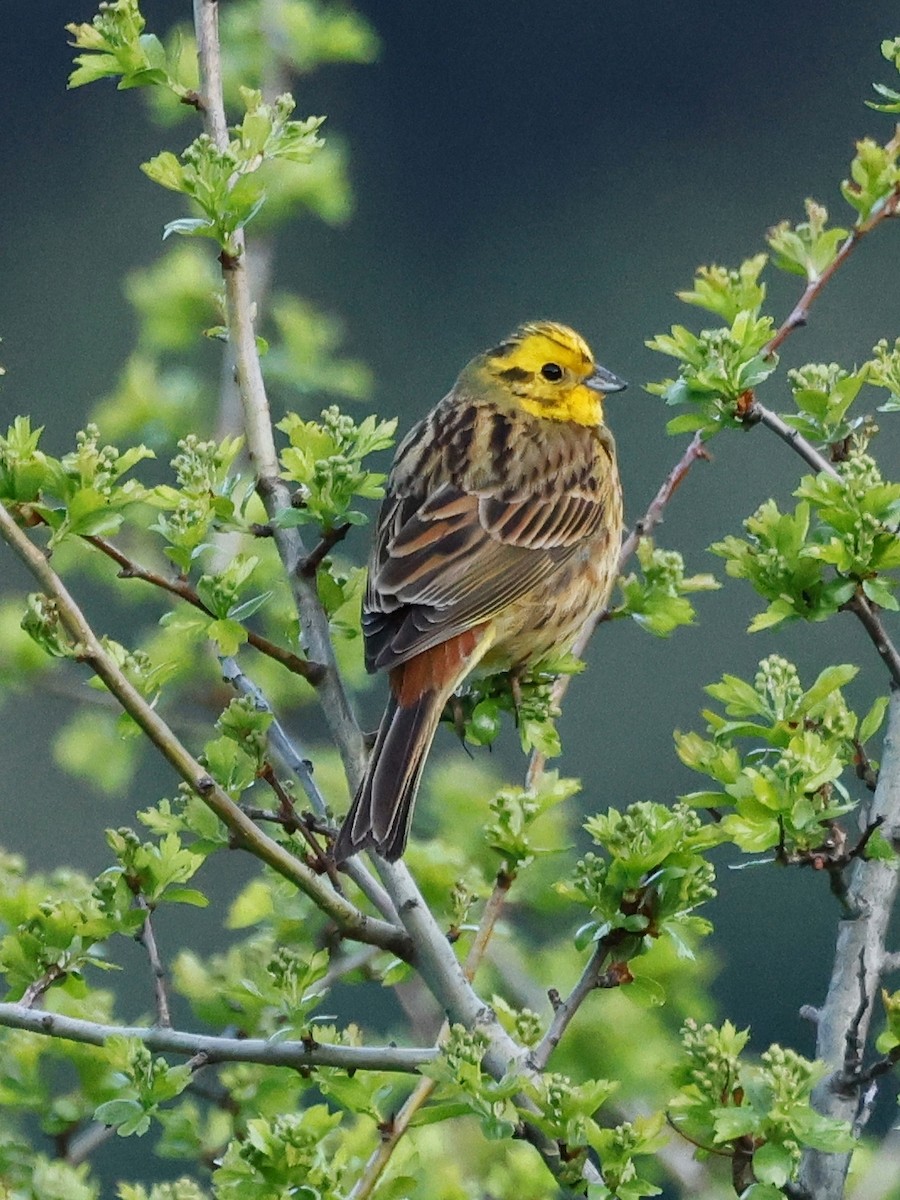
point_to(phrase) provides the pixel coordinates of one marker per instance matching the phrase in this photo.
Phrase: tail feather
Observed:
(380, 815)
(381, 811)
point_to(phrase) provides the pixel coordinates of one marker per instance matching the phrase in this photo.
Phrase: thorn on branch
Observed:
(330, 538)
(865, 772)
(193, 99)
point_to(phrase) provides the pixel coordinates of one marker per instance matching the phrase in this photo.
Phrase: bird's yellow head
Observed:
(550, 371)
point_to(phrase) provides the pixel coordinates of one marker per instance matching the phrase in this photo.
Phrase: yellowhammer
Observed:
(498, 537)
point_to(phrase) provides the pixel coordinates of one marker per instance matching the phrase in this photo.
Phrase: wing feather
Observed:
(451, 550)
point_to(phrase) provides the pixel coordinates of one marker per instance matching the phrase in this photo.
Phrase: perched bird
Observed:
(498, 537)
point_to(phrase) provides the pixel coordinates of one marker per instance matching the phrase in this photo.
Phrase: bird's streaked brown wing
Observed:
(451, 559)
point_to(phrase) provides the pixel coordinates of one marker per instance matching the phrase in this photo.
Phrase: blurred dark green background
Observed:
(573, 160)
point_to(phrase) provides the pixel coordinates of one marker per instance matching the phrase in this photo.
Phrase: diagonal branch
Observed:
(264, 1051)
(310, 671)
(799, 314)
(424, 1089)
(89, 649)
(285, 750)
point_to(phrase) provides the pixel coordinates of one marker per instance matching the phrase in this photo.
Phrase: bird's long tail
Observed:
(381, 812)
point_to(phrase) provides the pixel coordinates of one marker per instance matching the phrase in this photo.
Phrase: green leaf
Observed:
(873, 719)
(773, 1164)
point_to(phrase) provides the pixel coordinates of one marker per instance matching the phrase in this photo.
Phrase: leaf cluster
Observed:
(840, 538)
(778, 754)
(648, 881)
(658, 601)
(761, 1112)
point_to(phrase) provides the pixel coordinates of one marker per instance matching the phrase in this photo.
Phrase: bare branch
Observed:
(147, 938)
(872, 624)
(845, 1016)
(264, 1051)
(592, 977)
(758, 414)
(350, 921)
(643, 527)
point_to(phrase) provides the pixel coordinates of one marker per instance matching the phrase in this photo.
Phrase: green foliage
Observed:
(478, 712)
(883, 371)
(116, 46)
(658, 602)
(618, 1148)
(651, 877)
(225, 183)
(763, 1110)
(890, 49)
(809, 248)
(180, 1189)
(785, 787)
(823, 393)
(276, 1153)
(326, 460)
(845, 524)
(728, 293)
(718, 366)
(145, 1083)
(888, 1040)
(874, 176)
(79, 494)
(515, 809)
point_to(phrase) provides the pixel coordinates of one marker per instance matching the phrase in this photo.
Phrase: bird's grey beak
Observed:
(604, 381)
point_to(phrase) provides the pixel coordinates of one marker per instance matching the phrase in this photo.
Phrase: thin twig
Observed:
(147, 938)
(263, 1051)
(314, 625)
(89, 649)
(757, 413)
(799, 314)
(129, 569)
(292, 758)
(319, 553)
(696, 449)
(872, 624)
(38, 988)
(592, 977)
(285, 748)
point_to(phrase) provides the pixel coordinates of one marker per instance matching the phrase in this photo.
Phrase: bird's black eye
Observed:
(552, 371)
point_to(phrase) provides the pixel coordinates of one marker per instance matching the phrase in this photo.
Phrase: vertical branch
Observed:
(274, 492)
(844, 1019)
(147, 938)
